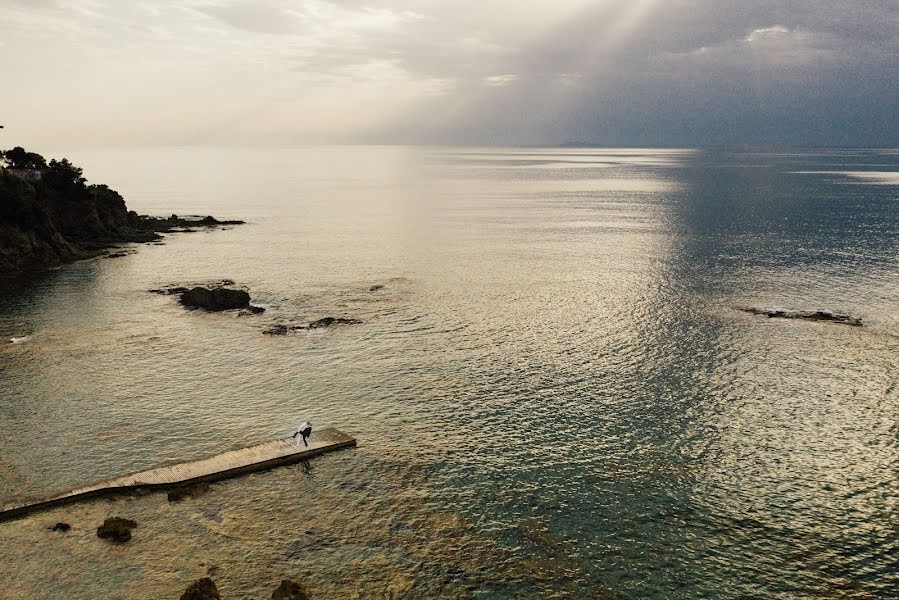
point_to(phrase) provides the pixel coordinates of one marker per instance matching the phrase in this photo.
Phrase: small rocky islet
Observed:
(806, 315)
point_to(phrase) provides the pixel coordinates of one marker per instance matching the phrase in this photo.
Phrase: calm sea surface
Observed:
(554, 393)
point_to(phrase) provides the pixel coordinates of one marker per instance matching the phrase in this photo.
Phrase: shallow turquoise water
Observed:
(556, 360)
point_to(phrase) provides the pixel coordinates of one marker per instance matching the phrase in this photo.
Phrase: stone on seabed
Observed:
(201, 589)
(116, 529)
(289, 590)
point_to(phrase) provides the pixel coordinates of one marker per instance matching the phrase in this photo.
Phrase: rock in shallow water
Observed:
(188, 491)
(808, 315)
(289, 590)
(281, 329)
(201, 589)
(216, 299)
(328, 321)
(63, 527)
(116, 529)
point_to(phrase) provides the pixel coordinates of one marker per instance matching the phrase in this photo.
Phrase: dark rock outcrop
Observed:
(201, 589)
(49, 215)
(63, 527)
(808, 315)
(289, 590)
(116, 529)
(216, 299)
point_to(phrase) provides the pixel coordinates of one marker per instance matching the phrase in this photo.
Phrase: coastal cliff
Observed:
(49, 215)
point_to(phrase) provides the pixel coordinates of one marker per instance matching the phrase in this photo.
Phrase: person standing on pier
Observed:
(304, 430)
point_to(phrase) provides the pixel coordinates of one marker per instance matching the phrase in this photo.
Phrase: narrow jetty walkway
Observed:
(221, 466)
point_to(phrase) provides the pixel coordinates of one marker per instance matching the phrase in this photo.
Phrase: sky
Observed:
(94, 73)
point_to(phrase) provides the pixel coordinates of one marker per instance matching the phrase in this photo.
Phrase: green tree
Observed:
(19, 158)
(65, 178)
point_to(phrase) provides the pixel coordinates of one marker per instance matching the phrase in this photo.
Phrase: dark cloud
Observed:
(673, 72)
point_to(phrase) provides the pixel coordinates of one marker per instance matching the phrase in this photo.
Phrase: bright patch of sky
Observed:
(643, 72)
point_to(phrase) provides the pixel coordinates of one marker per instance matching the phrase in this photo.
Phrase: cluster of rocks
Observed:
(205, 589)
(282, 329)
(217, 296)
(118, 530)
(187, 224)
(809, 315)
(214, 297)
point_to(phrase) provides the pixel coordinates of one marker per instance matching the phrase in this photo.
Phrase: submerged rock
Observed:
(188, 491)
(281, 329)
(289, 590)
(201, 589)
(375, 288)
(329, 321)
(117, 255)
(808, 315)
(169, 291)
(116, 529)
(20, 340)
(216, 299)
(63, 527)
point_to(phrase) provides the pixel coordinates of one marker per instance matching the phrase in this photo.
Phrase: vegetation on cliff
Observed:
(49, 215)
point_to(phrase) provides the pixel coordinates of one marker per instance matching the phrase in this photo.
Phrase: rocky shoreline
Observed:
(50, 216)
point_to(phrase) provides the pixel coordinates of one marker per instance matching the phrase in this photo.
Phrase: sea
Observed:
(555, 388)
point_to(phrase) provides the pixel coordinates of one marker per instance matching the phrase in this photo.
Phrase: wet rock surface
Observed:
(215, 299)
(201, 589)
(808, 315)
(289, 590)
(176, 289)
(116, 529)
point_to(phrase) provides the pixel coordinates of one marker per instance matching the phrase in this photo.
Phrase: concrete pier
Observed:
(214, 468)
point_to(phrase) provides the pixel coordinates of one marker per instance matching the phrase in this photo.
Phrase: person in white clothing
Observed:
(304, 430)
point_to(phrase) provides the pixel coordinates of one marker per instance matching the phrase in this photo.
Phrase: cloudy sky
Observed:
(80, 73)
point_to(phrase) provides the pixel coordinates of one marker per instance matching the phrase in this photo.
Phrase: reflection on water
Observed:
(553, 393)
